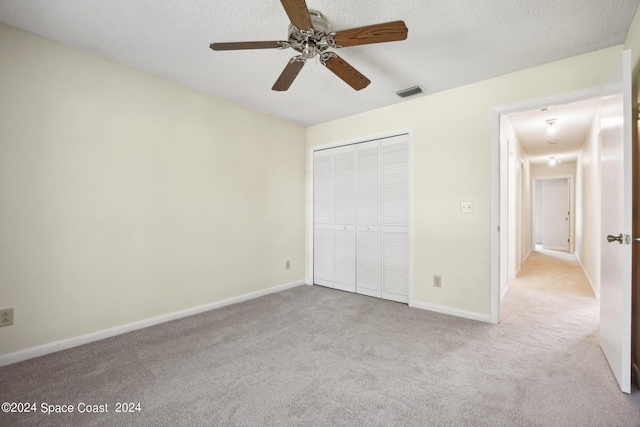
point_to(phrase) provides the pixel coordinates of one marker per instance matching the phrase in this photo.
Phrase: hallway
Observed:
(553, 272)
(553, 306)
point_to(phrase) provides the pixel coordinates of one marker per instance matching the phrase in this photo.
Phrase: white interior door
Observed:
(345, 218)
(555, 214)
(616, 209)
(395, 218)
(323, 218)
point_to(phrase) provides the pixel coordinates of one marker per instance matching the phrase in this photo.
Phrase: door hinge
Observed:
(568, 240)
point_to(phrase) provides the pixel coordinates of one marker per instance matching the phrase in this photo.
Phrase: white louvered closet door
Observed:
(395, 218)
(345, 218)
(323, 256)
(368, 253)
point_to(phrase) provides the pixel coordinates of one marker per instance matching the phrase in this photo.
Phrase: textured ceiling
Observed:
(572, 123)
(450, 43)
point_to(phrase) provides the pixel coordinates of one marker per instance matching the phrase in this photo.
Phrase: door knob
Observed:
(636, 239)
(611, 238)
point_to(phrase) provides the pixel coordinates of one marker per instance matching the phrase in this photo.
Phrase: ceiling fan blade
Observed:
(289, 74)
(248, 45)
(346, 72)
(298, 13)
(379, 33)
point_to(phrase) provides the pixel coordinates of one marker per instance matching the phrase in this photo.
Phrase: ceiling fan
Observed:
(310, 34)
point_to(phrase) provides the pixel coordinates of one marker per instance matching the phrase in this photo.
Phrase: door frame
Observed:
(406, 131)
(499, 186)
(572, 198)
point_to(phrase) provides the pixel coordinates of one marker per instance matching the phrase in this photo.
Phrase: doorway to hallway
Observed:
(552, 217)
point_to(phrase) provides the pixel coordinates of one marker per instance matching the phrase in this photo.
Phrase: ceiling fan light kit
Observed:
(310, 34)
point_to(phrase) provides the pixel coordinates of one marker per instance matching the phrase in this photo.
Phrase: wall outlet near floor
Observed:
(287, 264)
(6, 316)
(466, 207)
(437, 281)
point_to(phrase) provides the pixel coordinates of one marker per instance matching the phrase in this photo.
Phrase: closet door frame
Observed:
(310, 258)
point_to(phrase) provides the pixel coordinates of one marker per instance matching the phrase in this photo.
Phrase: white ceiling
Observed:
(450, 43)
(572, 123)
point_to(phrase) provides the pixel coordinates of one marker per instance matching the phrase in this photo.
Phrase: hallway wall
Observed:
(587, 218)
(519, 233)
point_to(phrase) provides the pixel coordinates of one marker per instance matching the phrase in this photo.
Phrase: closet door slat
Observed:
(323, 187)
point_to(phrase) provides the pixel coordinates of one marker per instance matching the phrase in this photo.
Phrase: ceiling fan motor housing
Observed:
(312, 42)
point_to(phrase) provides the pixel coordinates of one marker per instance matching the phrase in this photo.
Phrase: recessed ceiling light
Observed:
(553, 127)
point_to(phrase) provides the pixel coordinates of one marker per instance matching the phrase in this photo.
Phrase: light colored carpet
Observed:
(315, 356)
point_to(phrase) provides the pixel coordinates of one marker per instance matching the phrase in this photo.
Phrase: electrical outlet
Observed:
(466, 207)
(437, 281)
(287, 264)
(6, 316)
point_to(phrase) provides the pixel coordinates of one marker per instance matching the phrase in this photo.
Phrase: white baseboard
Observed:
(635, 372)
(527, 256)
(52, 347)
(452, 311)
(308, 281)
(593, 287)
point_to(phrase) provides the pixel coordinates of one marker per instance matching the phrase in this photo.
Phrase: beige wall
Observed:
(452, 162)
(547, 171)
(588, 207)
(124, 196)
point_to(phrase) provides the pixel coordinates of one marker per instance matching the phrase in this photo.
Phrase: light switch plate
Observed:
(466, 207)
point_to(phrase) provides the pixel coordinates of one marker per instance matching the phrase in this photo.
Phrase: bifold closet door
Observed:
(361, 218)
(323, 256)
(395, 217)
(345, 218)
(368, 248)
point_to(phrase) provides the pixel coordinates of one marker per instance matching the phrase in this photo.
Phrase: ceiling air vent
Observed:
(405, 93)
